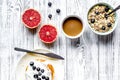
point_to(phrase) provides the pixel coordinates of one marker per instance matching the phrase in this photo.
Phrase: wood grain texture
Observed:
(90, 57)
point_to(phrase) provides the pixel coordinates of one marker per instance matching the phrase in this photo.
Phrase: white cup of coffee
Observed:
(72, 26)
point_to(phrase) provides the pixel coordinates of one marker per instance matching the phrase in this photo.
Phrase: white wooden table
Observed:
(96, 58)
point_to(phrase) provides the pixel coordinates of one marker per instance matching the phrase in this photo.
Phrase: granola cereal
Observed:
(97, 19)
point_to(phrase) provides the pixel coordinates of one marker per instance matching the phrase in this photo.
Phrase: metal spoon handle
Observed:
(114, 10)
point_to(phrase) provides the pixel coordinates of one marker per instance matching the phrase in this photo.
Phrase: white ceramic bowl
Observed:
(108, 32)
(20, 66)
(73, 37)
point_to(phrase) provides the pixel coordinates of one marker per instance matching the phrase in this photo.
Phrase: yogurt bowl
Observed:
(97, 21)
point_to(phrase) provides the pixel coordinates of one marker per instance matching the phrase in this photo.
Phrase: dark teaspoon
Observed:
(114, 10)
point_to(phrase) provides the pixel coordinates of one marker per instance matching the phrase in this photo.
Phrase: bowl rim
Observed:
(115, 24)
(78, 17)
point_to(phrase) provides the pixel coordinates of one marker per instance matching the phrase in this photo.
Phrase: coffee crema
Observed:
(72, 26)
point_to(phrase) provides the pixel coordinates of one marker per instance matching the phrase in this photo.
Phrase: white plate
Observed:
(57, 64)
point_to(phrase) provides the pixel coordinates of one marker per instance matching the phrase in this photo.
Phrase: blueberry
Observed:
(38, 69)
(50, 16)
(97, 13)
(58, 11)
(42, 70)
(106, 16)
(107, 9)
(33, 67)
(31, 63)
(49, 4)
(47, 78)
(92, 20)
(39, 74)
(109, 24)
(103, 27)
(38, 78)
(43, 77)
(35, 76)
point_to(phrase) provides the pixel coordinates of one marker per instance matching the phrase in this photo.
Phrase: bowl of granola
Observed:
(98, 22)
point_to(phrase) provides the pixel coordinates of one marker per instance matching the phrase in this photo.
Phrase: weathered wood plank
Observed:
(108, 53)
(6, 39)
(96, 58)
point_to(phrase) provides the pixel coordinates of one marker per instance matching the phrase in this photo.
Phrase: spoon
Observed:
(52, 55)
(114, 10)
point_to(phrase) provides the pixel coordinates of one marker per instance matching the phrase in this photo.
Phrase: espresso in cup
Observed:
(72, 27)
